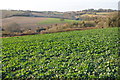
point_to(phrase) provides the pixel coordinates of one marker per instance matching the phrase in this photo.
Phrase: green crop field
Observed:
(55, 21)
(72, 55)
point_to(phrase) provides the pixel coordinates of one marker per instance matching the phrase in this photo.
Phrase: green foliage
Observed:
(74, 55)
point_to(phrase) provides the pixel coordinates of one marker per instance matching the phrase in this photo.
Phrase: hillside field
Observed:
(75, 55)
(32, 22)
(55, 21)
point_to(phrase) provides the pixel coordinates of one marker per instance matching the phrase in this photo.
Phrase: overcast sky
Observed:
(58, 5)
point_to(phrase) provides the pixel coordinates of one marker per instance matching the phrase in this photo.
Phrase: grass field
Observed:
(72, 55)
(55, 20)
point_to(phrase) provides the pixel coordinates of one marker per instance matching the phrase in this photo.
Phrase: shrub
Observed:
(40, 29)
(61, 19)
(14, 27)
(114, 21)
(89, 24)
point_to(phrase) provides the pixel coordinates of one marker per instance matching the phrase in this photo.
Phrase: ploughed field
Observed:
(74, 55)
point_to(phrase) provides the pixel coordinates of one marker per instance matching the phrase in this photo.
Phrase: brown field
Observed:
(23, 22)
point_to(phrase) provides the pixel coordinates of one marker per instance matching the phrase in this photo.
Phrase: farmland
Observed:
(73, 55)
(7, 13)
(32, 22)
(25, 22)
(56, 21)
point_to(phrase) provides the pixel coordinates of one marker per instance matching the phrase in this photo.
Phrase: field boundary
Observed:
(48, 32)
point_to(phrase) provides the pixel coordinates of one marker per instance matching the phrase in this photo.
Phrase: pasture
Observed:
(55, 21)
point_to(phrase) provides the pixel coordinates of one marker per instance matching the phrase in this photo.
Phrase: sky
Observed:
(58, 5)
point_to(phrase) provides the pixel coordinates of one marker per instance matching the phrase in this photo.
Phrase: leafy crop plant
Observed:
(75, 55)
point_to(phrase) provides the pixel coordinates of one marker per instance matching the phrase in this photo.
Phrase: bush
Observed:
(61, 19)
(114, 21)
(89, 25)
(14, 27)
(40, 29)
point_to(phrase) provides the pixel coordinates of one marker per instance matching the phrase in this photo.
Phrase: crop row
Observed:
(73, 55)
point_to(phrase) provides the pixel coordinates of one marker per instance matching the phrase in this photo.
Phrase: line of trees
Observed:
(99, 10)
